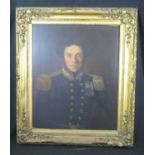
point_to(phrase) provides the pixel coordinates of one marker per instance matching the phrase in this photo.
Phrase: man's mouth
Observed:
(74, 65)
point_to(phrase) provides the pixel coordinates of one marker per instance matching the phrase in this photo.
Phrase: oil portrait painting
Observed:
(75, 77)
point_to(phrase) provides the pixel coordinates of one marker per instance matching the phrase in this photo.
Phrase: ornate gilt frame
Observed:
(126, 18)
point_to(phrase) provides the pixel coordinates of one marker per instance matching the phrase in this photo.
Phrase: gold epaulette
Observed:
(44, 82)
(98, 82)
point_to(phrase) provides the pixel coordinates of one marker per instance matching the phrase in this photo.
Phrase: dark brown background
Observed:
(138, 148)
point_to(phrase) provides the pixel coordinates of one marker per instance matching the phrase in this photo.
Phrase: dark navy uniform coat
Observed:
(72, 103)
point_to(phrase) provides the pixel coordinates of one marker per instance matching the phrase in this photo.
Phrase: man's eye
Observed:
(79, 56)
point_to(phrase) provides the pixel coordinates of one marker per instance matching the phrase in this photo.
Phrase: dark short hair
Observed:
(84, 46)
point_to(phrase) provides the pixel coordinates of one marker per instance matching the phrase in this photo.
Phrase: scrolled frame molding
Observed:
(126, 19)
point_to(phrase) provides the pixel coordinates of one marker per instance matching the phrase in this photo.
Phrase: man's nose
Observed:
(74, 59)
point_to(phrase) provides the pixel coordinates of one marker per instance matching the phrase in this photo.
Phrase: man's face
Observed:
(73, 57)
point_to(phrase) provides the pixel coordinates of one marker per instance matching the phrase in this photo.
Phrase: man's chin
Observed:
(74, 70)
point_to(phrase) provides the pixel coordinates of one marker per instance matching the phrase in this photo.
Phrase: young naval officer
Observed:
(69, 99)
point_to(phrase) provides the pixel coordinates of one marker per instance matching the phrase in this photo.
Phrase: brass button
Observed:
(69, 123)
(71, 90)
(70, 116)
(81, 84)
(82, 90)
(82, 97)
(79, 118)
(71, 97)
(71, 109)
(82, 104)
(71, 84)
(71, 103)
(81, 110)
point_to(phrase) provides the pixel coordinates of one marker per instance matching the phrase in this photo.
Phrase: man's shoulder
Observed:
(45, 81)
(56, 76)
